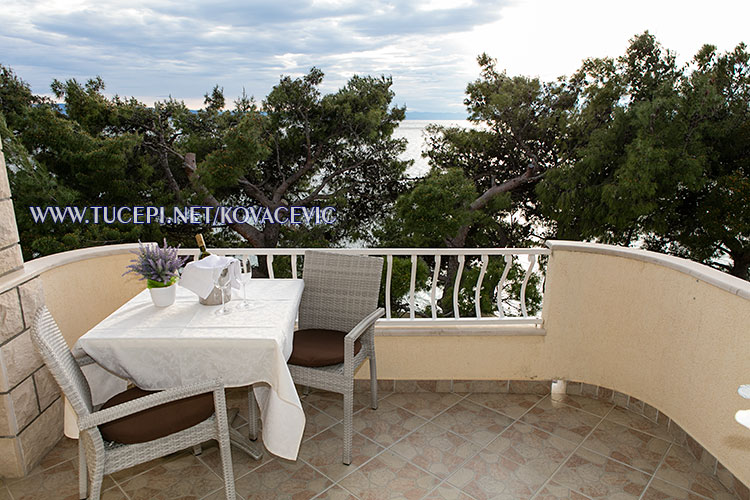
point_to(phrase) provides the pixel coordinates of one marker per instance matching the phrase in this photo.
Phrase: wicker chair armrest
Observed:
(123, 410)
(363, 325)
(85, 360)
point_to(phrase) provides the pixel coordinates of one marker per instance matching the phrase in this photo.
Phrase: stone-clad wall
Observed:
(10, 250)
(31, 409)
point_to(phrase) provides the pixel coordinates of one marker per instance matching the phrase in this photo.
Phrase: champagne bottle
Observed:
(201, 246)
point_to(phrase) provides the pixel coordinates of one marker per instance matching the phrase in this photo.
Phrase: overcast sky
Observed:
(151, 49)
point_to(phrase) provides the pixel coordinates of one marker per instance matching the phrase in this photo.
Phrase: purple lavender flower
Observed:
(157, 265)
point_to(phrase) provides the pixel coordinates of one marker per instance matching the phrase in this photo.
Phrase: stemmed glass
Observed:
(245, 304)
(223, 283)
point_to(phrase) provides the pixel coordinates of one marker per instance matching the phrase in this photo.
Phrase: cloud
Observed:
(160, 47)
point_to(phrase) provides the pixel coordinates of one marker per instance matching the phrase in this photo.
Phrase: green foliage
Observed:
(433, 211)
(661, 155)
(298, 147)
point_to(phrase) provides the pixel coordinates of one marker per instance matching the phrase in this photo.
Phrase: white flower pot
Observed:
(164, 296)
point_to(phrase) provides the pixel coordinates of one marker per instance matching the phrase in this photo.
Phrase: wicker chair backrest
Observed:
(340, 290)
(55, 352)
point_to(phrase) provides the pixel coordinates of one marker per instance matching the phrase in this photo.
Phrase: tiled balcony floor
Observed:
(425, 446)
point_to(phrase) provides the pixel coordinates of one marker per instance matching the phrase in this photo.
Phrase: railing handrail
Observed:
(376, 251)
(483, 254)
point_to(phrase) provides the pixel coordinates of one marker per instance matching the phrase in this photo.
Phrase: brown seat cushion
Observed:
(157, 422)
(315, 347)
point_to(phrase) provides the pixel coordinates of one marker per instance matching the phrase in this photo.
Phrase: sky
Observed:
(153, 49)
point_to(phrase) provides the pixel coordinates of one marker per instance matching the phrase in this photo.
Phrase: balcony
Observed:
(624, 387)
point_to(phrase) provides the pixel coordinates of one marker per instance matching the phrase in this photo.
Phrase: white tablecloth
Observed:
(160, 348)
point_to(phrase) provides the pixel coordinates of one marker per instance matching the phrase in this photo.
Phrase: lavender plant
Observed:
(157, 265)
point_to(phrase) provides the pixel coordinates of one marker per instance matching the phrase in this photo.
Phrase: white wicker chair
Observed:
(341, 293)
(98, 456)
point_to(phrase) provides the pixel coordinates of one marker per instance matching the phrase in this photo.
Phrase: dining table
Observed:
(158, 348)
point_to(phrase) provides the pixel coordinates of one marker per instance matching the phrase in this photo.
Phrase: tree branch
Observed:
(251, 234)
(530, 175)
(254, 191)
(280, 191)
(313, 195)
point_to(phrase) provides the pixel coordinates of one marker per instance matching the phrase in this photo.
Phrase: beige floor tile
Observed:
(627, 445)
(315, 421)
(490, 476)
(332, 403)
(221, 495)
(425, 404)
(473, 422)
(59, 482)
(387, 424)
(512, 405)
(66, 449)
(661, 490)
(114, 494)
(335, 492)
(435, 449)
(595, 406)
(561, 420)
(531, 446)
(554, 491)
(639, 423)
(598, 477)
(325, 452)
(183, 478)
(242, 463)
(282, 480)
(389, 476)
(682, 469)
(447, 492)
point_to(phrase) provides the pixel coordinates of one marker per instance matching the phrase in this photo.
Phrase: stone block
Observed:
(605, 394)
(679, 436)
(492, 386)
(741, 490)
(47, 389)
(8, 228)
(4, 184)
(25, 406)
(650, 412)
(620, 399)
(573, 388)
(725, 477)
(11, 463)
(11, 317)
(443, 386)
(11, 259)
(635, 405)
(363, 385)
(421, 386)
(42, 435)
(32, 297)
(530, 387)
(7, 418)
(589, 390)
(18, 360)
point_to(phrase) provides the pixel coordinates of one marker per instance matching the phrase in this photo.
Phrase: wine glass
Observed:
(223, 283)
(245, 304)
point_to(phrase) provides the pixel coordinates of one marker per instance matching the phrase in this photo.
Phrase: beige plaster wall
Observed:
(80, 294)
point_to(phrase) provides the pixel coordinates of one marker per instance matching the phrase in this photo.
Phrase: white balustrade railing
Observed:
(528, 256)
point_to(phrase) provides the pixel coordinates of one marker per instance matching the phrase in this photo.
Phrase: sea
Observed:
(414, 132)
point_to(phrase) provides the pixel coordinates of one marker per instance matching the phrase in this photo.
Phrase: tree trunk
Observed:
(740, 265)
